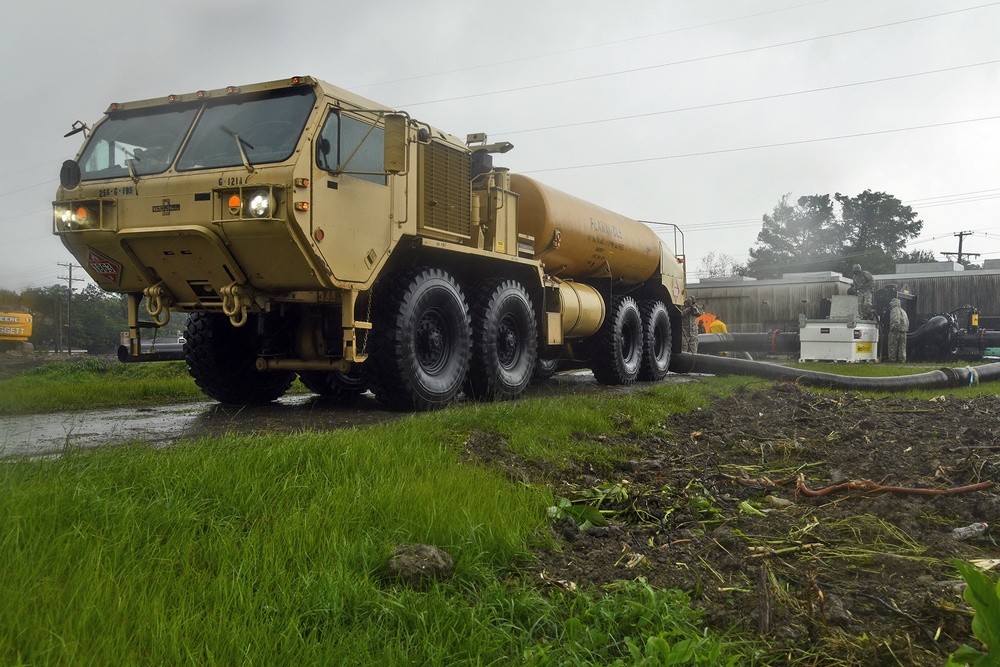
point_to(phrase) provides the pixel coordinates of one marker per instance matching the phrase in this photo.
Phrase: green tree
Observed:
(47, 306)
(803, 237)
(872, 229)
(98, 319)
(876, 227)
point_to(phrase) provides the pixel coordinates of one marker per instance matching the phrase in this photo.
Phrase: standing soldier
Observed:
(864, 287)
(689, 325)
(899, 324)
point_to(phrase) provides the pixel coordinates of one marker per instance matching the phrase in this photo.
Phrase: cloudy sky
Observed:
(701, 113)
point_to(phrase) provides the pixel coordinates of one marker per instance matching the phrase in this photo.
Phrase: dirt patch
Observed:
(720, 509)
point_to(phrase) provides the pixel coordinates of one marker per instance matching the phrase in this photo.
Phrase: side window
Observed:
(352, 146)
(328, 145)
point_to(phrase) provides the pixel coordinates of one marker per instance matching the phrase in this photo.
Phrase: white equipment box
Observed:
(842, 337)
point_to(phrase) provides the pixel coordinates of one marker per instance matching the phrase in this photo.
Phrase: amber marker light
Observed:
(81, 215)
(302, 206)
(235, 204)
(302, 182)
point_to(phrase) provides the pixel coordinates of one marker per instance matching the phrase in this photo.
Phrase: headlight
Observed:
(259, 205)
(68, 218)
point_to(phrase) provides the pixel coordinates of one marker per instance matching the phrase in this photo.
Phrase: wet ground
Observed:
(32, 435)
(821, 521)
(163, 425)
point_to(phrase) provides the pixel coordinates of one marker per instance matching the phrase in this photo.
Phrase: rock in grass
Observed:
(970, 531)
(417, 565)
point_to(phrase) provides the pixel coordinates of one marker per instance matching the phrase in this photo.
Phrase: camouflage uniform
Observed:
(899, 324)
(689, 325)
(864, 287)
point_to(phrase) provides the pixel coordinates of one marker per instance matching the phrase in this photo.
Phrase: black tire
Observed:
(334, 386)
(504, 341)
(221, 357)
(420, 341)
(544, 369)
(616, 353)
(656, 341)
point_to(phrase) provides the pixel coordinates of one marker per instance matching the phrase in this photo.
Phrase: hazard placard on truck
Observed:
(305, 230)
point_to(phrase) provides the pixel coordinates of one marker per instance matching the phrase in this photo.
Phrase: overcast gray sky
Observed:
(702, 113)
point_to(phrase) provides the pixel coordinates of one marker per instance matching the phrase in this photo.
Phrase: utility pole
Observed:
(69, 303)
(961, 237)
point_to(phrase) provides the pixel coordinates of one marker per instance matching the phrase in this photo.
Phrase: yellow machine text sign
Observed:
(15, 326)
(863, 348)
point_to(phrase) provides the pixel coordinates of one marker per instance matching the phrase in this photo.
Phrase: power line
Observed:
(588, 47)
(760, 146)
(688, 61)
(713, 105)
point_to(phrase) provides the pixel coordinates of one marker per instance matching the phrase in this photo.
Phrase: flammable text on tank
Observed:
(605, 228)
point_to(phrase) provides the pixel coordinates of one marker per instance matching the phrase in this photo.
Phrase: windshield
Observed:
(267, 128)
(266, 125)
(149, 138)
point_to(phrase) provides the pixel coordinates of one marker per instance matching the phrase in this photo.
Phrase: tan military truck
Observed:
(306, 230)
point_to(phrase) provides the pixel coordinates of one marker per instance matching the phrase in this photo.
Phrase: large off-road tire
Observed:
(655, 341)
(616, 352)
(504, 341)
(544, 369)
(336, 387)
(420, 340)
(221, 357)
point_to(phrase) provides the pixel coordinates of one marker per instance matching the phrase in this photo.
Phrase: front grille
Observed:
(445, 192)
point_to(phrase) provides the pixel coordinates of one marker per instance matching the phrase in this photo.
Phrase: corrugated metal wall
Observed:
(758, 306)
(763, 305)
(945, 293)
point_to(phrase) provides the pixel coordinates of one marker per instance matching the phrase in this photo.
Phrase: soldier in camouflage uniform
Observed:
(864, 287)
(689, 325)
(899, 324)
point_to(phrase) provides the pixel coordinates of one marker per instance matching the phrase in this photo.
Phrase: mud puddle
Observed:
(41, 434)
(33, 435)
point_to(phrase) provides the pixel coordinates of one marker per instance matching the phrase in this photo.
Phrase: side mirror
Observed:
(395, 143)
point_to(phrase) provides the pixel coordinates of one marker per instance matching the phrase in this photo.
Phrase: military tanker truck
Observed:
(306, 230)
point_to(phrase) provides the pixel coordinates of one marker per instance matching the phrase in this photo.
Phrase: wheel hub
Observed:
(431, 342)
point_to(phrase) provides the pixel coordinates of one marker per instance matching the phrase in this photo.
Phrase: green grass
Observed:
(889, 370)
(270, 550)
(92, 383)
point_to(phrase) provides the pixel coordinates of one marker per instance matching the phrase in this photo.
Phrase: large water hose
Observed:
(944, 378)
(773, 342)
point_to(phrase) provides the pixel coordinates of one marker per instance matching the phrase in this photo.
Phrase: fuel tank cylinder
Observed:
(577, 239)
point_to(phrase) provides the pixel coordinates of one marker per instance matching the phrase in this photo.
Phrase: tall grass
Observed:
(92, 382)
(271, 550)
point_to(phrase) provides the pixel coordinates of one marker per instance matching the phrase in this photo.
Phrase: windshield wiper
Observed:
(130, 158)
(239, 144)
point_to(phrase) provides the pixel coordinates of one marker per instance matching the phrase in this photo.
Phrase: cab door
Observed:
(351, 198)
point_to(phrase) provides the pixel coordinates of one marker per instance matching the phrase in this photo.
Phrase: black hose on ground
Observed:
(773, 342)
(940, 379)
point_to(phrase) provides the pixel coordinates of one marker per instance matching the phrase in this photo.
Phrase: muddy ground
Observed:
(722, 507)
(721, 503)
